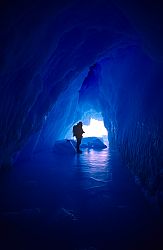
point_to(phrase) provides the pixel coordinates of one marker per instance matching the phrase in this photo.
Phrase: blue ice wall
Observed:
(131, 85)
(48, 78)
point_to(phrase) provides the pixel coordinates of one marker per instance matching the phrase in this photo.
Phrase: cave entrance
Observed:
(96, 135)
(95, 128)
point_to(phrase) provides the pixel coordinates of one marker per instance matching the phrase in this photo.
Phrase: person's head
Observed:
(80, 123)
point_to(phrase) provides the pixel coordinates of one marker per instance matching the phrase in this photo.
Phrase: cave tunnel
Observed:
(69, 61)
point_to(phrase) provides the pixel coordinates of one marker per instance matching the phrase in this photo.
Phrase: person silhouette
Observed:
(78, 133)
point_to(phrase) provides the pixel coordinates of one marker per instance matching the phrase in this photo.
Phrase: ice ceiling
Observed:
(62, 61)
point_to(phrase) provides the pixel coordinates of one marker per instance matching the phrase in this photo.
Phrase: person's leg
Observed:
(78, 144)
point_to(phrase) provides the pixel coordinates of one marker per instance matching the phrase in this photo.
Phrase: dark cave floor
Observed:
(78, 202)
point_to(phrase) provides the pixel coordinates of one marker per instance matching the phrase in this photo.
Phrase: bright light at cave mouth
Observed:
(95, 128)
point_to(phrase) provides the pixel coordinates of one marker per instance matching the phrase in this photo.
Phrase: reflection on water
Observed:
(95, 167)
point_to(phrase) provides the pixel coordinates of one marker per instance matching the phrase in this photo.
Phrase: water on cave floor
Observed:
(77, 202)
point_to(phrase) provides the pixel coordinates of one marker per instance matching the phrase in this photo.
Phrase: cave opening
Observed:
(95, 128)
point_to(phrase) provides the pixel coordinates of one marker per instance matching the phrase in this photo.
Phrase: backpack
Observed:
(75, 130)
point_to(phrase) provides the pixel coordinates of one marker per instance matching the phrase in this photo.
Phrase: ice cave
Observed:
(99, 62)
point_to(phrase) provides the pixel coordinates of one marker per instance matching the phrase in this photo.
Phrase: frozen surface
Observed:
(93, 142)
(74, 202)
(69, 146)
(65, 146)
